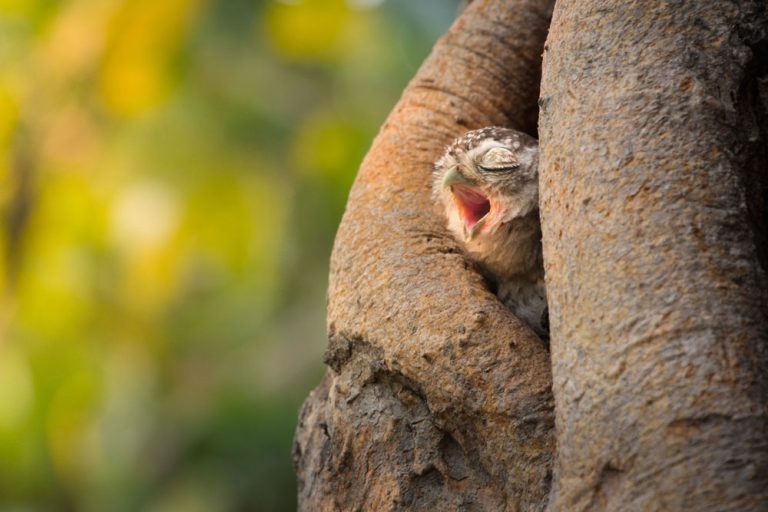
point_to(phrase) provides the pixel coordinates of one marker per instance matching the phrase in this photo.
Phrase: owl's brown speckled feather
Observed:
(487, 182)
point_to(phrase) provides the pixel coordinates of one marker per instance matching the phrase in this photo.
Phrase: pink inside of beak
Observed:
(473, 205)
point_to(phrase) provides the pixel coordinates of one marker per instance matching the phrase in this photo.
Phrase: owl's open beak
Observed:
(475, 229)
(473, 205)
(474, 208)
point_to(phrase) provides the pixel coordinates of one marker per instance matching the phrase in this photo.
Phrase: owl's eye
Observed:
(498, 159)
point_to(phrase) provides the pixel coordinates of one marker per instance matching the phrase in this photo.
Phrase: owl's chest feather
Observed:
(513, 251)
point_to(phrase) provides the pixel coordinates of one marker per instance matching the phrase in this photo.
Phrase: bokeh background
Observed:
(172, 173)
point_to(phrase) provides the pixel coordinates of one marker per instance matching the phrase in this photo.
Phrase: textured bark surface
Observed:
(653, 179)
(438, 397)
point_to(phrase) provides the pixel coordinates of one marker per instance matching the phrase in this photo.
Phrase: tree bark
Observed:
(653, 189)
(438, 398)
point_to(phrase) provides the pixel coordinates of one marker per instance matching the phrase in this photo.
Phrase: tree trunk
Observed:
(654, 182)
(438, 398)
(653, 189)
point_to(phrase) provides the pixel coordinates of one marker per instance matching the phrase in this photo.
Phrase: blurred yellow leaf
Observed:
(325, 145)
(17, 6)
(143, 225)
(9, 114)
(9, 117)
(4, 271)
(16, 390)
(76, 38)
(144, 216)
(145, 36)
(55, 288)
(313, 29)
(238, 221)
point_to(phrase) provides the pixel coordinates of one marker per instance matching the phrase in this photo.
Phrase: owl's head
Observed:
(487, 178)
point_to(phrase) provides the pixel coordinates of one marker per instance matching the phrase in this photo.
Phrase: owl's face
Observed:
(485, 179)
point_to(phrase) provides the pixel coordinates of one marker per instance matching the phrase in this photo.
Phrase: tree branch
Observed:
(438, 394)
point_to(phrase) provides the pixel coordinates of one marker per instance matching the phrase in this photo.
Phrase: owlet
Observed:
(487, 182)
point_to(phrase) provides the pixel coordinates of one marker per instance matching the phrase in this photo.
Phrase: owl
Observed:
(487, 185)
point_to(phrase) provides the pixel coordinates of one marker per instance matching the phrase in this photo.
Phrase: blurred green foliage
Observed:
(172, 173)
